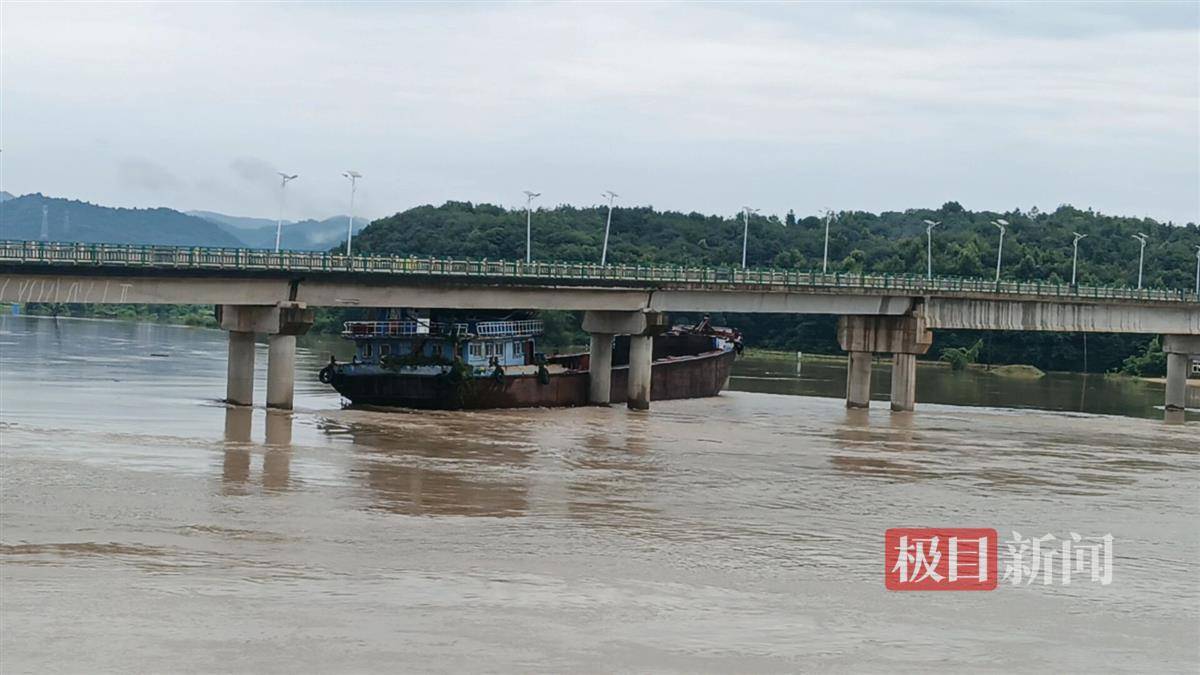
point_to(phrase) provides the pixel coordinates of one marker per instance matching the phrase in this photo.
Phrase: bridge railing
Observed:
(168, 257)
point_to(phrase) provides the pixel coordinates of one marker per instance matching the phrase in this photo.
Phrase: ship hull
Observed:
(676, 377)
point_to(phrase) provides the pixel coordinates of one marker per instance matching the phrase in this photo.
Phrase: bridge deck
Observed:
(24, 256)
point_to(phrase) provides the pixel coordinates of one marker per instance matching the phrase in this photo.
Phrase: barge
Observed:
(418, 363)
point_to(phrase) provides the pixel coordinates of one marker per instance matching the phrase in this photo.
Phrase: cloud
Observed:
(144, 175)
(700, 106)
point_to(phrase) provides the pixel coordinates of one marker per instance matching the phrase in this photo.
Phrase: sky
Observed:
(692, 107)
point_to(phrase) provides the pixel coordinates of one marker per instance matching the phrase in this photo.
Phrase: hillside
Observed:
(1037, 246)
(303, 235)
(72, 220)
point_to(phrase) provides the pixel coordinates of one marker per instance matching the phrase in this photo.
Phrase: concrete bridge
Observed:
(274, 293)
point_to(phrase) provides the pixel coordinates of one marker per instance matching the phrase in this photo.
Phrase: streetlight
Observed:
(746, 211)
(1075, 255)
(1141, 255)
(353, 177)
(1198, 271)
(529, 223)
(1002, 224)
(608, 225)
(825, 259)
(929, 225)
(279, 223)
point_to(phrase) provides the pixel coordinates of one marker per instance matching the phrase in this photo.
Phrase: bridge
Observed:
(273, 293)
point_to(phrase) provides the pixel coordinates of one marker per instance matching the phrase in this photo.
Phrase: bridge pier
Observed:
(239, 376)
(1179, 349)
(904, 382)
(641, 327)
(904, 337)
(281, 371)
(600, 369)
(282, 323)
(858, 380)
(641, 360)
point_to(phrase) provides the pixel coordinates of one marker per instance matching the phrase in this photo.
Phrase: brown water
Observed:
(145, 527)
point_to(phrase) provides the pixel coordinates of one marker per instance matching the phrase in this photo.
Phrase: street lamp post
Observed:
(353, 177)
(1141, 256)
(607, 226)
(929, 225)
(1002, 224)
(825, 258)
(1075, 255)
(529, 196)
(1198, 271)
(282, 188)
(746, 211)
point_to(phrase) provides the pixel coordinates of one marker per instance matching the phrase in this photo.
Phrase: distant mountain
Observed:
(304, 235)
(5, 196)
(237, 222)
(72, 220)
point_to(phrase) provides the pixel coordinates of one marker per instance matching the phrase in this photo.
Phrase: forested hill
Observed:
(72, 220)
(1037, 245)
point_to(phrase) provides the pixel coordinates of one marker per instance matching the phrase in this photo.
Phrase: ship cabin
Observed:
(479, 344)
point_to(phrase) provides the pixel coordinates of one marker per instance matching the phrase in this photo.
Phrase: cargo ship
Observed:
(419, 363)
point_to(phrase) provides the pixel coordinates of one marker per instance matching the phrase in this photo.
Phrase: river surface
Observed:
(146, 527)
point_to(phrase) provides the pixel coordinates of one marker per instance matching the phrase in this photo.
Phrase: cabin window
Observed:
(366, 350)
(385, 349)
(516, 346)
(436, 351)
(476, 349)
(489, 350)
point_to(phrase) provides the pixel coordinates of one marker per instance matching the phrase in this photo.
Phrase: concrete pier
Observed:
(641, 353)
(281, 371)
(858, 380)
(600, 369)
(239, 384)
(901, 336)
(1179, 350)
(1177, 367)
(904, 382)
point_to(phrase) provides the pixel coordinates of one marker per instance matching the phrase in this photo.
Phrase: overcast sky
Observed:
(700, 107)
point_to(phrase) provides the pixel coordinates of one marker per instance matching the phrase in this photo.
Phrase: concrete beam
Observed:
(884, 334)
(163, 290)
(776, 302)
(1181, 344)
(287, 318)
(625, 323)
(958, 313)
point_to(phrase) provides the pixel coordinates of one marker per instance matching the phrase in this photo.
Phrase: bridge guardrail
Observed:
(171, 257)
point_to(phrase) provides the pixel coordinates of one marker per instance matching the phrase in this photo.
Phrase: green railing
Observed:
(172, 257)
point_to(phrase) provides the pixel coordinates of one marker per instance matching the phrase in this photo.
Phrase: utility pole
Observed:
(746, 211)
(825, 259)
(929, 225)
(279, 222)
(529, 196)
(607, 226)
(45, 223)
(1075, 255)
(1141, 256)
(353, 177)
(1002, 224)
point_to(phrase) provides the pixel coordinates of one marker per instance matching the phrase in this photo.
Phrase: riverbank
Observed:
(1006, 370)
